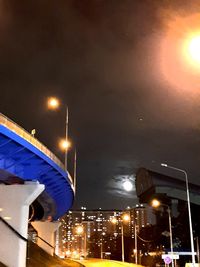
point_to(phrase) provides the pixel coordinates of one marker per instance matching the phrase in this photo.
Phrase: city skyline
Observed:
(100, 231)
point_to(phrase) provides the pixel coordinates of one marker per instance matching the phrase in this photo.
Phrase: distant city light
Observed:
(68, 253)
(126, 217)
(114, 220)
(155, 203)
(79, 229)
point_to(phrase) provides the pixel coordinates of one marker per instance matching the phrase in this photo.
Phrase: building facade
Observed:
(101, 232)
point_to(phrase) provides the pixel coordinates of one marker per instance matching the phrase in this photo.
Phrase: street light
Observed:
(189, 209)
(64, 144)
(136, 249)
(155, 203)
(53, 103)
(125, 218)
(80, 230)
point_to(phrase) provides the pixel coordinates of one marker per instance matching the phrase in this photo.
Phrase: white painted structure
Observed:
(46, 231)
(14, 209)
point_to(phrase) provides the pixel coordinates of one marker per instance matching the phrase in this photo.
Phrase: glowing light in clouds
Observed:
(127, 185)
(179, 53)
(194, 48)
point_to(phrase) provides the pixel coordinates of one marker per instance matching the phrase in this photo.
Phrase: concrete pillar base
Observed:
(46, 232)
(14, 209)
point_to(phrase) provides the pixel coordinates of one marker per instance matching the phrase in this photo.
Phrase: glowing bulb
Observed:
(155, 203)
(68, 252)
(194, 48)
(79, 230)
(128, 186)
(53, 103)
(64, 144)
(126, 217)
(114, 220)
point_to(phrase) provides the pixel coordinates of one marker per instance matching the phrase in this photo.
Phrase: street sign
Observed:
(167, 260)
(175, 256)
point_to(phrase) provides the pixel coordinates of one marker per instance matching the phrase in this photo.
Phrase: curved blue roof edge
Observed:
(67, 199)
(7, 132)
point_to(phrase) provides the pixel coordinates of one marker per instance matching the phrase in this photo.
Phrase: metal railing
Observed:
(11, 125)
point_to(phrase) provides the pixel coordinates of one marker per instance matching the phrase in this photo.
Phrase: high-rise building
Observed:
(99, 236)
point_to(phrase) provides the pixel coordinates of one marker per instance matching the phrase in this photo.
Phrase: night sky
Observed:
(133, 100)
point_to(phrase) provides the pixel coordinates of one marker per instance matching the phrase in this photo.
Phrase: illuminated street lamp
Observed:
(53, 103)
(136, 249)
(125, 218)
(156, 203)
(189, 209)
(80, 230)
(64, 144)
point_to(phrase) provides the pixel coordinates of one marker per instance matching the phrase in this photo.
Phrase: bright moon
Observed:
(128, 186)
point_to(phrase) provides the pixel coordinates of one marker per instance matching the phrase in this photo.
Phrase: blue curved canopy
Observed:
(23, 156)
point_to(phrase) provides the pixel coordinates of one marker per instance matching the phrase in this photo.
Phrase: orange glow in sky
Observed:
(179, 53)
(194, 49)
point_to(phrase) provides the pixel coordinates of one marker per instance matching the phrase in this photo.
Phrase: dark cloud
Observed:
(100, 58)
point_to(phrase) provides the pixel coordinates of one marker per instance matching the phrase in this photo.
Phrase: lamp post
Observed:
(53, 103)
(189, 209)
(124, 218)
(75, 165)
(81, 230)
(156, 203)
(136, 250)
(66, 135)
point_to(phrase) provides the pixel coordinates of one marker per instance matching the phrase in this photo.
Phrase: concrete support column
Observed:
(46, 232)
(14, 209)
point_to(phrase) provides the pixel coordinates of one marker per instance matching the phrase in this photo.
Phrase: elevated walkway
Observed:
(149, 184)
(24, 158)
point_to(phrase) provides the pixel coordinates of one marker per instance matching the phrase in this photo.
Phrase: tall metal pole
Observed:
(197, 239)
(85, 243)
(122, 236)
(66, 135)
(102, 248)
(189, 209)
(75, 163)
(136, 250)
(170, 232)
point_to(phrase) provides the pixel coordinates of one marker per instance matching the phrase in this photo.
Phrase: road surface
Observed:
(106, 263)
